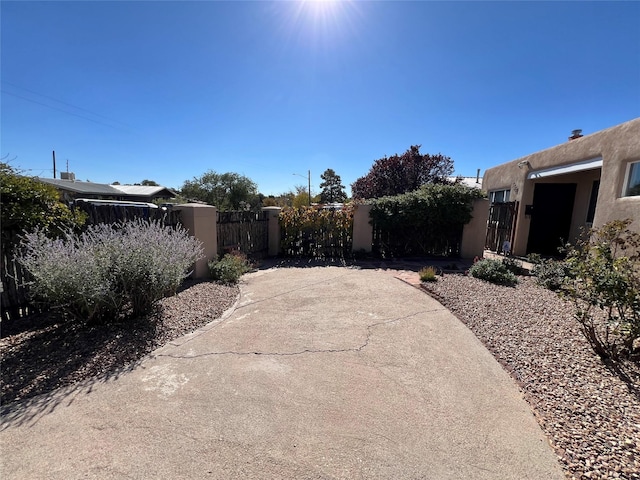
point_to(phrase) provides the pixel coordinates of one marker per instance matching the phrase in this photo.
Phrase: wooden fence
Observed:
(112, 214)
(244, 231)
(14, 296)
(414, 242)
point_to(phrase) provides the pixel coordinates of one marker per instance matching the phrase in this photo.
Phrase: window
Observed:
(632, 184)
(499, 196)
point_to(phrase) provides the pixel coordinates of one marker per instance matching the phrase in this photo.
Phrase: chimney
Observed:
(478, 176)
(68, 176)
(575, 134)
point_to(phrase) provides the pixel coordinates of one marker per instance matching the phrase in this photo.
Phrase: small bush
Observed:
(514, 266)
(493, 271)
(604, 286)
(428, 274)
(534, 258)
(550, 274)
(230, 268)
(108, 271)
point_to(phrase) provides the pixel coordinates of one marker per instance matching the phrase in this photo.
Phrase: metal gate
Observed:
(501, 225)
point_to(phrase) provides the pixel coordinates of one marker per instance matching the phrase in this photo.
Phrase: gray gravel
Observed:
(591, 416)
(193, 307)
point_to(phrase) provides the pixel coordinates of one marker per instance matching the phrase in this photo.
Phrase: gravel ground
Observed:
(45, 352)
(590, 415)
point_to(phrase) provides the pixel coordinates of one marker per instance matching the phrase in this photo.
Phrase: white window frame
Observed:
(492, 194)
(627, 179)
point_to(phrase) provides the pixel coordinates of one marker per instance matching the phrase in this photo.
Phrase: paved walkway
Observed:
(319, 373)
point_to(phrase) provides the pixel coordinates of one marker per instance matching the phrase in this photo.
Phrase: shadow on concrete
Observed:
(46, 352)
(46, 357)
(414, 264)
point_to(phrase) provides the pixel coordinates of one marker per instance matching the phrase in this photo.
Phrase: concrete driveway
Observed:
(319, 373)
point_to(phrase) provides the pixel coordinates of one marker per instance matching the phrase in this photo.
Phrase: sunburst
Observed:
(320, 21)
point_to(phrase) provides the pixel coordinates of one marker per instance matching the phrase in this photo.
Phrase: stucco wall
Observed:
(201, 222)
(475, 232)
(617, 146)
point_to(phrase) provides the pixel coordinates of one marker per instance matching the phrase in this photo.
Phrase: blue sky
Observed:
(126, 91)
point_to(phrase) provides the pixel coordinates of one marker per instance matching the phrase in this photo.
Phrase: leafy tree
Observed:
(282, 200)
(28, 203)
(149, 183)
(400, 174)
(332, 188)
(227, 191)
(270, 201)
(301, 197)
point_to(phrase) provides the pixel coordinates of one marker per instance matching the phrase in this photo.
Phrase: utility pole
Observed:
(54, 164)
(309, 180)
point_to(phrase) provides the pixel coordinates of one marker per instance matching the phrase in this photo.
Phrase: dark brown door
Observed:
(551, 217)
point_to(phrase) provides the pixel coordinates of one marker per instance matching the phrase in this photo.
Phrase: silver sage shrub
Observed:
(109, 270)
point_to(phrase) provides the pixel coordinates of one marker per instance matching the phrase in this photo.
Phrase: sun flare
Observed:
(322, 10)
(320, 25)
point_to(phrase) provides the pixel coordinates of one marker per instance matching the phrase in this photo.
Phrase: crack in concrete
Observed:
(306, 350)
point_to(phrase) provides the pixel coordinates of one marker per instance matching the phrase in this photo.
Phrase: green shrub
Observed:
(534, 258)
(427, 221)
(550, 274)
(514, 266)
(108, 271)
(428, 274)
(28, 204)
(604, 286)
(230, 268)
(493, 271)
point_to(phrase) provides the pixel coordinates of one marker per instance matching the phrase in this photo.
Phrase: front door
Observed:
(550, 217)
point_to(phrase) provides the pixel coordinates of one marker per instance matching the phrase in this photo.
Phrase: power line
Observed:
(64, 103)
(63, 111)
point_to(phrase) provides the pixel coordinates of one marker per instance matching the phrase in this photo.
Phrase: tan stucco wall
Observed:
(474, 233)
(362, 229)
(273, 229)
(201, 222)
(617, 146)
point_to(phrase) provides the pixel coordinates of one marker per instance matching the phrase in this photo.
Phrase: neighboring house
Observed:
(471, 182)
(72, 189)
(549, 197)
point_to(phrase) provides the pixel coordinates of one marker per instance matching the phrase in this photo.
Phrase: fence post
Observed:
(362, 229)
(273, 214)
(201, 222)
(474, 233)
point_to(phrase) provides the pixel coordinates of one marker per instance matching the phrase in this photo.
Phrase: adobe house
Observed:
(539, 201)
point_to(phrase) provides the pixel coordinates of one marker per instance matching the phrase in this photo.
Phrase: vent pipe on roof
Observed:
(575, 134)
(478, 176)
